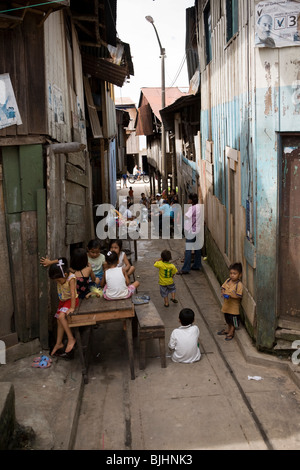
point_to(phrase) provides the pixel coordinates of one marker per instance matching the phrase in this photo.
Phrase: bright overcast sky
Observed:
(170, 21)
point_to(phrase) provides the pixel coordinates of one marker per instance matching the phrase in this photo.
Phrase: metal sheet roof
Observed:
(12, 14)
(104, 69)
(153, 96)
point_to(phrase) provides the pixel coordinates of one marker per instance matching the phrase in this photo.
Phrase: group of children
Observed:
(88, 268)
(112, 273)
(184, 341)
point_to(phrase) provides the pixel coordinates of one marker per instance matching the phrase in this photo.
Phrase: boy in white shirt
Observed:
(184, 340)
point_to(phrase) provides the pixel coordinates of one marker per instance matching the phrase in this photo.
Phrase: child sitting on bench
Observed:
(184, 340)
(115, 282)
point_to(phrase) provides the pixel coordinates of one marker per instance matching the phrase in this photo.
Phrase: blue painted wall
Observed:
(254, 131)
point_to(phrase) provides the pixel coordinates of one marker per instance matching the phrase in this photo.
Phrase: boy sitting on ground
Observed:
(184, 341)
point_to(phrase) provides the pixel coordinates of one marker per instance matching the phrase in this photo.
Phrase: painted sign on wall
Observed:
(277, 24)
(9, 112)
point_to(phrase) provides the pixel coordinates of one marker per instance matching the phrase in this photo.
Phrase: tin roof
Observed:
(153, 96)
(12, 14)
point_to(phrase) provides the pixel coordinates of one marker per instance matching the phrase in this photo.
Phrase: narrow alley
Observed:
(211, 404)
(97, 113)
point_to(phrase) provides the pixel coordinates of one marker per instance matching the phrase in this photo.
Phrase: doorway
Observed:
(289, 230)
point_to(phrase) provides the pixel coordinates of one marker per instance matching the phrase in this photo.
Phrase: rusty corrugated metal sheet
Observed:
(153, 96)
(144, 121)
(104, 70)
(150, 102)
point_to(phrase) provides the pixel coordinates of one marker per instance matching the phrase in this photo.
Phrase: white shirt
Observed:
(184, 343)
(115, 284)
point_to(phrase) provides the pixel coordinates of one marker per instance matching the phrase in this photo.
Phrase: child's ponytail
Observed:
(59, 270)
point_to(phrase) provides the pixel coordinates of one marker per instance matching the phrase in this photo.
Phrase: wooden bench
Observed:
(98, 310)
(150, 325)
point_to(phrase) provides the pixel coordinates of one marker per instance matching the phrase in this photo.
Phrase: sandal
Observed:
(229, 337)
(175, 301)
(42, 358)
(222, 332)
(167, 306)
(42, 364)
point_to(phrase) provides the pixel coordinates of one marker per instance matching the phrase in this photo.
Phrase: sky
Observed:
(132, 27)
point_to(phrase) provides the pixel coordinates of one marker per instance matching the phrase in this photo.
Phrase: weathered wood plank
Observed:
(77, 159)
(75, 194)
(232, 154)
(6, 306)
(36, 82)
(14, 231)
(75, 214)
(11, 179)
(76, 175)
(30, 271)
(95, 305)
(31, 174)
(75, 234)
(42, 273)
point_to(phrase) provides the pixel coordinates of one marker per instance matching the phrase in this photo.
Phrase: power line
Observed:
(30, 6)
(185, 56)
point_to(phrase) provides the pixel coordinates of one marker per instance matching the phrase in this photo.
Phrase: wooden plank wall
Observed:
(23, 177)
(69, 202)
(6, 305)
(22, 56)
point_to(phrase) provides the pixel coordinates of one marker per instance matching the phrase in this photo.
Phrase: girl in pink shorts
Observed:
(68, 301)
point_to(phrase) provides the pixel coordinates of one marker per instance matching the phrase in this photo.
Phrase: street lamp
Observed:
(163, 105)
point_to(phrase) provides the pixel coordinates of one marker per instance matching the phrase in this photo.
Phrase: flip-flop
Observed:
(41, 364)
(229, 337)
(222, 332)
(167, 306)
(175, 301)
(42, 358)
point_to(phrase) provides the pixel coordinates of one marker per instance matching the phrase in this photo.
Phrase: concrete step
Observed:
(13, 436)
(282, 345)
(289, 322)
(7, 414)
(287, 334)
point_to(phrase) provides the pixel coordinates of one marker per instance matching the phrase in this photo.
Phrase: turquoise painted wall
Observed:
(254, 131)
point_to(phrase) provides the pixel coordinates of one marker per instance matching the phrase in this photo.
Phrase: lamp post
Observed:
(163, 105)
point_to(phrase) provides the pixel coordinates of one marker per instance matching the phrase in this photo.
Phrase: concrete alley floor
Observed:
(211, 404)
(207, 405)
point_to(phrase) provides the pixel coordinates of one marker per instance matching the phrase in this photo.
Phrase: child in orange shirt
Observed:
(232, 292)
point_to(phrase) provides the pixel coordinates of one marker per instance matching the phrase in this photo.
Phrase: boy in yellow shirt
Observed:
(167, 272)
(232, 292)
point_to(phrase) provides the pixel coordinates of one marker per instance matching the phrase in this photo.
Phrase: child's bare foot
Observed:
(56, 348)
(70, 345)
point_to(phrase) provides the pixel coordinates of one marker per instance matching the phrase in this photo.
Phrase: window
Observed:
(232, 14)
(207, 26)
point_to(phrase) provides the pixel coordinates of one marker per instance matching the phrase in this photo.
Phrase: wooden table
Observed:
(98, 310)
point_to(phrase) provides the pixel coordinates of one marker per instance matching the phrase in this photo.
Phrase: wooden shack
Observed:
(46, 181)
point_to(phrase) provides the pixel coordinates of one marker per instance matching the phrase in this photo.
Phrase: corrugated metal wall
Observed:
(247, 100)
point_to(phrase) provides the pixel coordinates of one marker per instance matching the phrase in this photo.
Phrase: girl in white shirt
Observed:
(184, 341)
(115, 282)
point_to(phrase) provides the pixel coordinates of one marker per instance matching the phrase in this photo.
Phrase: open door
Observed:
(289, 231)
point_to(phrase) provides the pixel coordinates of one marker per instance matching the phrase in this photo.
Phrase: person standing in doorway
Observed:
(192, 227)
